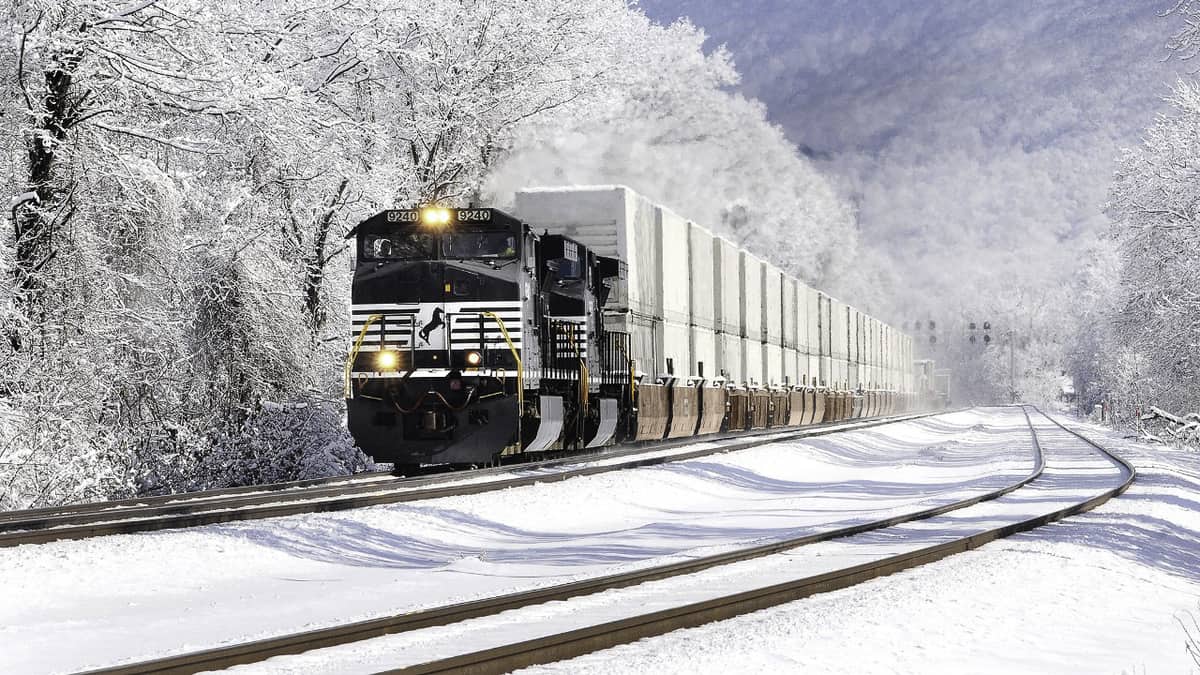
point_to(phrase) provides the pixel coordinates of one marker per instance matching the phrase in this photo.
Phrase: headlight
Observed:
(474, 359)
(433, 215)
(387, 360)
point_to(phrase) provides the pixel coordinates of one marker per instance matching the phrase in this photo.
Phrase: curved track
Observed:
(558, 646)
(336, 494)
(567, 644)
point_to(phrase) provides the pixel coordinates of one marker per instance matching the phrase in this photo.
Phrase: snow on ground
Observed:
(1074, 472)
(1101, 592)
(121, 598)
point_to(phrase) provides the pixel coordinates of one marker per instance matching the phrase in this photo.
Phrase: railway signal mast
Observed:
(1010, 336)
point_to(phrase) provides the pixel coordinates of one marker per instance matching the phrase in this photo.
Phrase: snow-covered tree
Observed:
(1155, 203)
(173, 303)
(95, 106)
(670, 128)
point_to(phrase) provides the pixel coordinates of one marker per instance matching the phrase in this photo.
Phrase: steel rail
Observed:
(203, 510)
(113, 508)
(31, 518)
(251, 652)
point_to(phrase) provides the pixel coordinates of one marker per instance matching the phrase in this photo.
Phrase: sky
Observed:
(977, 138)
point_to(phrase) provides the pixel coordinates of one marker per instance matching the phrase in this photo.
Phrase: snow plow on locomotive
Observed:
(475, 338)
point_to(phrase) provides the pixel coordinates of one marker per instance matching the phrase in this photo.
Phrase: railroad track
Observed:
(114, 508)
(562, 645)
(336, 494)
(568, 644)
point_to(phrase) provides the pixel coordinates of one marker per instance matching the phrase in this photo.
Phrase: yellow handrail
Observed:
(584, 385)
(583, 369)
(516, 357)
(358, 345)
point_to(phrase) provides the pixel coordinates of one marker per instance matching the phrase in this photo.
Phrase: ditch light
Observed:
(387, 360)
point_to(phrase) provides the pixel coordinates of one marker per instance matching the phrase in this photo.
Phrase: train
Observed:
(589, 317)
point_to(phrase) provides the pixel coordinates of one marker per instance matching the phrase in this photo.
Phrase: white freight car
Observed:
(878, 345)
(727, 309)
(839, 343)
(727, 286)
(697, 305)
(791, 358)
(852, 347)
(751, 273)
(824, 337)
(674, 270)
(811, 313)
(772, 324)
(883, 337)
(703, 324)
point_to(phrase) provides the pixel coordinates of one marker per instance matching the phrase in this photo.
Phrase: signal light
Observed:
(474, 359)
(434, 215)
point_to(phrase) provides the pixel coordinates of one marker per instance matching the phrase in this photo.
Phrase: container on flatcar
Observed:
(839, 342)
(791, 370)
(675, 278)
(772, 323)
(727, 309)
(702, 328)
(806, 333)
(727, 286)
(750, 269)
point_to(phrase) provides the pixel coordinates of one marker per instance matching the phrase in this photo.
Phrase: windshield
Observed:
(399, 246)
(479, 245)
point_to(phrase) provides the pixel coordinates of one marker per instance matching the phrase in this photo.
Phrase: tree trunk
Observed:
(35, 224)
(314, 268)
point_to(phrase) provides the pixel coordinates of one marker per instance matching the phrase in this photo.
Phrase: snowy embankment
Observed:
(71, 605)
(1101, 592)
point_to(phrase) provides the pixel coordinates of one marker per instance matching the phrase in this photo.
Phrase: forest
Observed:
(180, 176)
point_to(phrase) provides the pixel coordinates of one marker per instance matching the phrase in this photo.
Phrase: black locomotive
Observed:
(475, 337)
